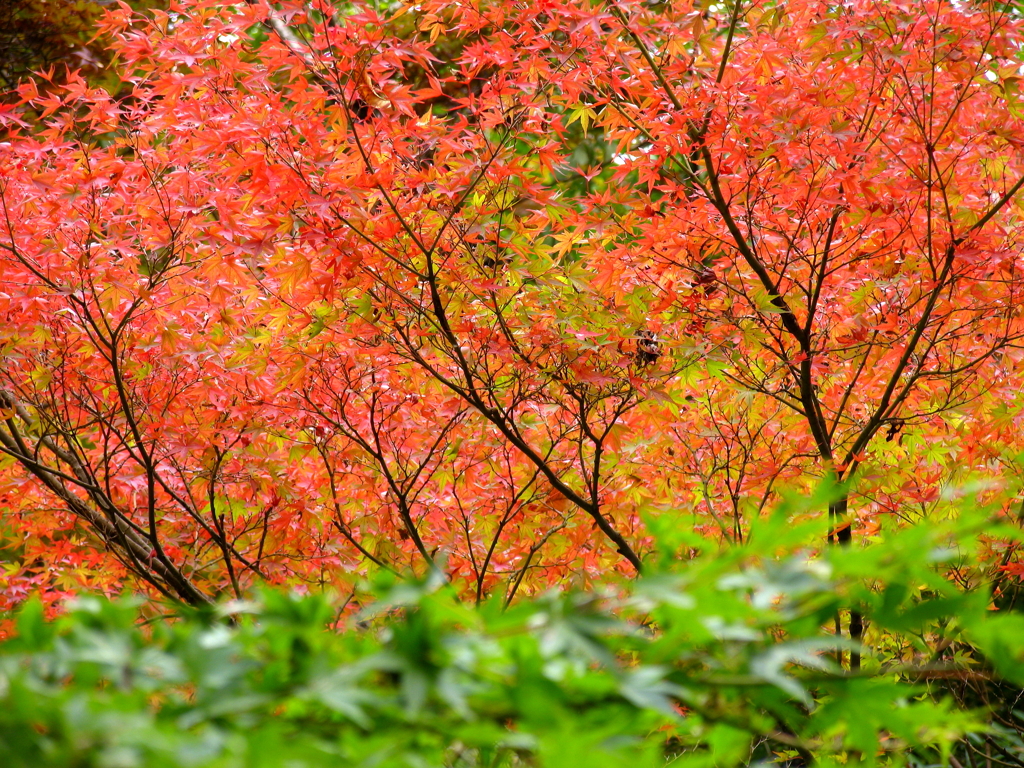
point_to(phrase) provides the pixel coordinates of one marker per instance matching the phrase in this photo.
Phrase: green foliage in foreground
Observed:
(720, 661)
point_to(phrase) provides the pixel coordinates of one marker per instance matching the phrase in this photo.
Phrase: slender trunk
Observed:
(840, 532)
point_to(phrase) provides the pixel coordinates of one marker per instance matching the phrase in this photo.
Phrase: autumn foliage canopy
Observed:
(500, 288)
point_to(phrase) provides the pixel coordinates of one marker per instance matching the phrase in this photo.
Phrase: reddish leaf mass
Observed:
(484, 286)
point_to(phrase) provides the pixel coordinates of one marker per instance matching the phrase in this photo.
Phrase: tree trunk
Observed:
(840, 532)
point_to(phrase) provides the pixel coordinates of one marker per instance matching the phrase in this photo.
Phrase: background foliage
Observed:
(320, 289)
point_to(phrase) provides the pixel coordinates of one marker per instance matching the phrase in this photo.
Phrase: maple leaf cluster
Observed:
(484, 286)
